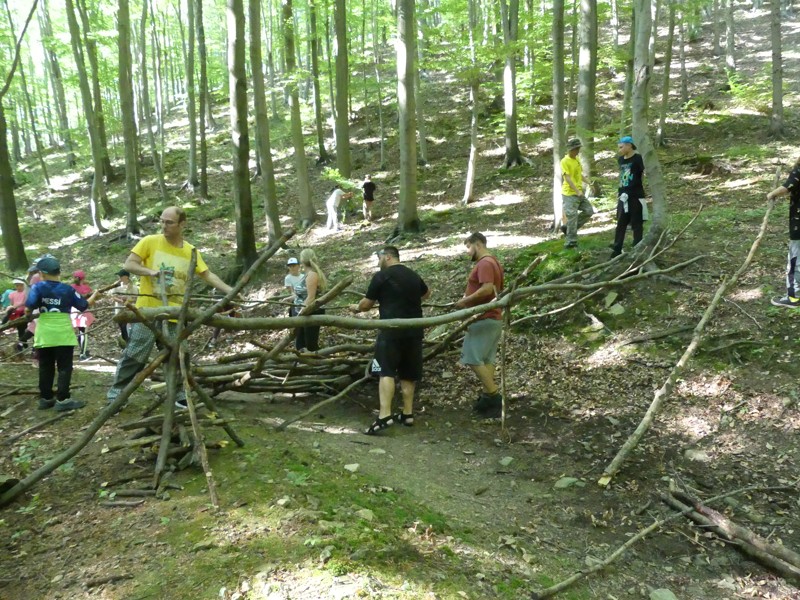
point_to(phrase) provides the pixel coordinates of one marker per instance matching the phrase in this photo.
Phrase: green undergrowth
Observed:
(286, 509)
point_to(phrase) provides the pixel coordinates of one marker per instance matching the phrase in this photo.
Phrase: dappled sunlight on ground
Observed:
(750, 295)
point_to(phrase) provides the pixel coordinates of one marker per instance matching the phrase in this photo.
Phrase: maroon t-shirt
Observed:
(486, 270)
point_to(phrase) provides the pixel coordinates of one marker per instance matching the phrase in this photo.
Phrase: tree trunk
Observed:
(379, 91)
(715, 28)
(776, 119)
(88, 111)
(205, 98)
(191, 112)
(343, 162)
(422, 158)
(315, 45)
(615, 24)
(587, 84)
(262, 126)
(407, 218)
(730, 37)
(559, 126)
(640, 106)
(57, 81)
(682, 57)
(9, 224)
(328, 55)
(307, 213)
(148, 112)
(660, 138)
(626, 101)
(237, 81)
(509, 15)
(97, 92)
(125, 79)
(474, 88)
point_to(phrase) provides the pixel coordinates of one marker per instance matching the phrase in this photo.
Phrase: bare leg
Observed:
(485, 374)
(407, 390)
(386, 395)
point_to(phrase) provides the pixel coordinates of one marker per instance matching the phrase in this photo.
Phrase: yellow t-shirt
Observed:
(572, 167)
(157, 253)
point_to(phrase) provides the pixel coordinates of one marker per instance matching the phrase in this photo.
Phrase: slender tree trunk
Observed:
(626, 101)
(587, 84)
(559, 126)
(615, 24)
(776, 125)
(407, 218)
(237, 80)
(125, 79)
(329, 55)
(730, 37)
(315, 44)
(9, 224)
(717, 49)
(474, 88)
(660, 137)
(97, 192)
(262, 126)
(97, 92)
(379, 90)
(343, 162)
(148, 111)
(57, 81)
(157, 62)
(573, 70)
(684, 77)
(16, 151)
(205, 103)
(509, 15)
(191, 112)
(307, 213)
(422, 158)
(640, 105)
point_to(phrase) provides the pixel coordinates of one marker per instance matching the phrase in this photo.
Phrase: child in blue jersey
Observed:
(55, 338)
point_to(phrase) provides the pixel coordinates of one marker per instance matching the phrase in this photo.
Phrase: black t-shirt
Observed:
(369, 191)
(792, 184)
(398, 291)
(630, 176)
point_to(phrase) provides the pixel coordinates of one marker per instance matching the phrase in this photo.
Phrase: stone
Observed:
(565, 482)
(662, 594)
(352, 467)
(506, 460)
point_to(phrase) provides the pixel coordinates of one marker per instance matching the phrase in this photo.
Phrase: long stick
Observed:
(105, 414)
(199, 438)
(665, 390)
(325, 402)
(562, 585)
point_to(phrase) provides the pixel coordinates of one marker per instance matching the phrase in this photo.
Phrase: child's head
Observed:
(124, 276)
(19, 285)
(78, 276)
(293, 265)
(50, 268)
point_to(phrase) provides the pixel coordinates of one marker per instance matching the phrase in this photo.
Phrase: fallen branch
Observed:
(107, 579)
(656, 335)
(666, 389)
(121, 503)
(33, 428)
(325, 402)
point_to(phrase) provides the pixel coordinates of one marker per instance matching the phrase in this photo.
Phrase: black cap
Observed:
(123, 273)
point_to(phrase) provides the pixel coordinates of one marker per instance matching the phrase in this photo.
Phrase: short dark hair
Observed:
(474, 237)
(390, 251)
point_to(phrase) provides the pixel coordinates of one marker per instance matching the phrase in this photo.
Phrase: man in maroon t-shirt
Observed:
(480, 344)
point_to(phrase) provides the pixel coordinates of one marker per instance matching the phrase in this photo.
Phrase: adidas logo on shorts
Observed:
(375, 367)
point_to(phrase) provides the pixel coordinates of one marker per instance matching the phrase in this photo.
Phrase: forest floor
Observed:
(453, 507)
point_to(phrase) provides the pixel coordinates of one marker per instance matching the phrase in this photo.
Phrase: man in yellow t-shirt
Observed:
(577, 209)
(164, 255)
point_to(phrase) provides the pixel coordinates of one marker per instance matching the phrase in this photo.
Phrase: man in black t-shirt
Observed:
(399, 293)
(630, 194)
(791, 187)
(369, 195)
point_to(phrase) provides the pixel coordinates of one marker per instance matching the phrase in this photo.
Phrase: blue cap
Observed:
(626, 139)
(49, 265)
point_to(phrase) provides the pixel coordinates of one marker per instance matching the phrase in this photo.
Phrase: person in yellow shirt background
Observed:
(577, 209)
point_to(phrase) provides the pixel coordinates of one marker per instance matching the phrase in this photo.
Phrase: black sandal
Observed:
(380, 424)
(405, 419)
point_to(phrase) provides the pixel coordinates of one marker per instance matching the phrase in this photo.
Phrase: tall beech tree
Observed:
(587, 83)
(237, 81)
(262, 126)
(148, 113)
(407, 217)
(509, 17)
(191, 112)
(559, 125)
(776, 124)
(125, 79)
(307, 213)
(205, 99)
(343, 162)
(315, 49)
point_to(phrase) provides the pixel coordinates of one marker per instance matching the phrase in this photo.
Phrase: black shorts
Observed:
(400, 358)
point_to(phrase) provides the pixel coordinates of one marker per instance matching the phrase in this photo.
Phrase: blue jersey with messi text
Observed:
(54, 301)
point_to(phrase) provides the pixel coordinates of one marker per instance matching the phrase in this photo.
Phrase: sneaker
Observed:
(571, 245)
(615, 254)
(564, 229)
(69, 404)
(19, 347)
(786, 302)
(489, 406)
(85, 356)
(45, 403)
(181, 404)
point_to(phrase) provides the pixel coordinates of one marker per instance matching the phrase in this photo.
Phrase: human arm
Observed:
(214, 281)
(135, 265)
(364, 304)
(778, 192)
(479, 296)
(572, 185)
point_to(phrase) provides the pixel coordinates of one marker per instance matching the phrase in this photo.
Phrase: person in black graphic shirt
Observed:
(369, 195)
(791, 187)
(630, 194)
(399, 293)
